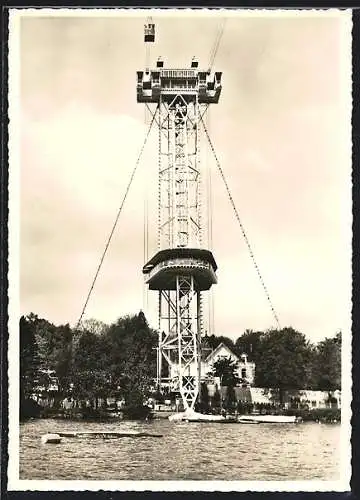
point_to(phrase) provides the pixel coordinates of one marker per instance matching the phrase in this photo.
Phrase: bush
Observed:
(89, 413)
(216, 400)
(51, 413)
(158, 396)
(230, 399)
(137, 412)
(29, 409)
(325, 415)
(244, 407)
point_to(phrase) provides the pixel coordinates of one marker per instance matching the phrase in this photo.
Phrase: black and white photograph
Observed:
(180, 231)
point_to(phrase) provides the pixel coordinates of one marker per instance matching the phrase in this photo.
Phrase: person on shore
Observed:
(68, 405)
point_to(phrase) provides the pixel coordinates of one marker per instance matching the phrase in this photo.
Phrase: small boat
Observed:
(274, 419)
(229, 420)
(192, 416)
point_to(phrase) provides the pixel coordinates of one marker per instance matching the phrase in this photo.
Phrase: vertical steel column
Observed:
(179, 225)
(187, 340)
(199, 332)
(179, 221)
(158, 352)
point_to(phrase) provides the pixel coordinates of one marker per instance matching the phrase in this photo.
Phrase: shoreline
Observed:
(319, 415)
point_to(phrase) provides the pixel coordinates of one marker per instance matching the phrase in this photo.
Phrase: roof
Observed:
(218, 348)
(179, 252)
(231, 353)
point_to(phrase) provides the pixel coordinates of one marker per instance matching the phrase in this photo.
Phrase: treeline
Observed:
(101, 361)
(286, 360)
(92, 364)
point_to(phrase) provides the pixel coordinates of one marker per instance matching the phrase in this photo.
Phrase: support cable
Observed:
(216, 44)
(211, 313)
(115, 223)
(209, 227)
(242, 228)
(210, 197)
(145, 226)
(211, 297)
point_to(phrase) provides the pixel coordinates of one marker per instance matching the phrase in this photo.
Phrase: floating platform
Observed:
(108, 434)
(267, 419)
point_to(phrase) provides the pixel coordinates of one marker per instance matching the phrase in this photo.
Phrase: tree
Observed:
(230, 397)
(61, 357)
(120, 359)
(312, 368)
(42, 330)
(29, 359)
(249, 342)
(283, 360)
(226, 369)
(90, 373)
(204, 397)
(139, 363)
(217, 400)
(328, 362)
(213, 341)
(54, 349)
(94, 326)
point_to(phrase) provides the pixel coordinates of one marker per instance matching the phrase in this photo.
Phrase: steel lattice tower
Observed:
(181, 269)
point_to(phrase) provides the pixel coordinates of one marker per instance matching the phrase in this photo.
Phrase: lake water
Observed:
(205, 451)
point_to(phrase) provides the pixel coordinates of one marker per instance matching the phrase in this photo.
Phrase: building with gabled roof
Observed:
(245, 368)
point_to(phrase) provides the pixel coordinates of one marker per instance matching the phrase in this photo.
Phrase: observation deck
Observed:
(165, 84)
(161, 270)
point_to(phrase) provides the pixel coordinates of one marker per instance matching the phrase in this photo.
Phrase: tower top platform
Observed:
(166, 83)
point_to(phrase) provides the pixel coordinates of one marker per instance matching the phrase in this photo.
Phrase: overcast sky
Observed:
(281, 131)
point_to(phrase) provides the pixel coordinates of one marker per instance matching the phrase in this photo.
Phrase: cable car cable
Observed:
(275, 315)
(115, 224)
(216, 44)
(149, 37)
